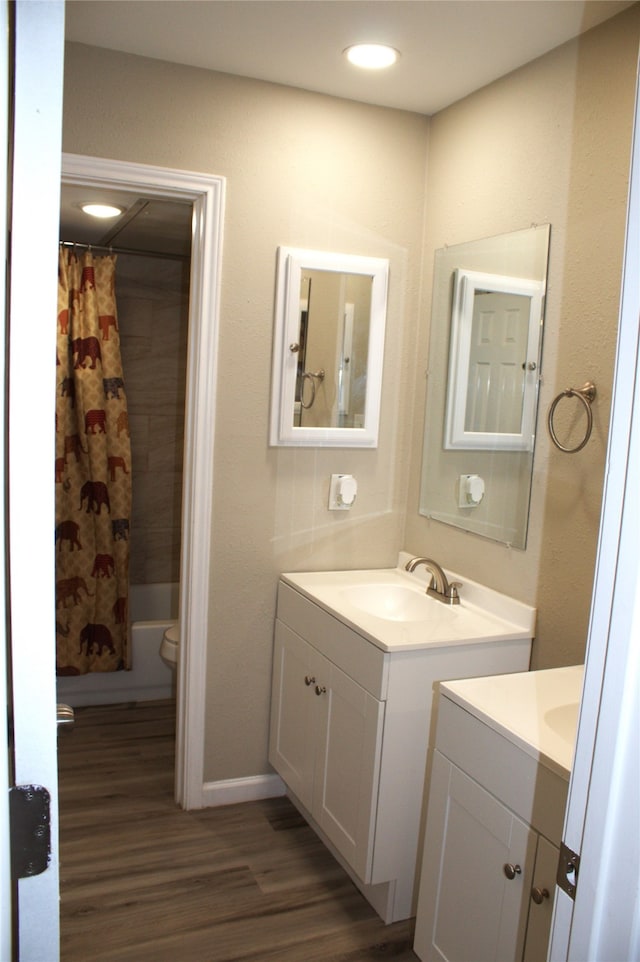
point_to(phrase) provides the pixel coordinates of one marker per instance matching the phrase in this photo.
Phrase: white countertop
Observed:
(482, 615)
(536, 710)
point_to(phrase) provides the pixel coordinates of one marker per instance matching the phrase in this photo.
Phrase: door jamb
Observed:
(206, 193)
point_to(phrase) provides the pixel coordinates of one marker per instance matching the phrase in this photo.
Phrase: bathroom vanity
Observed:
(497, 797)
(356, 658)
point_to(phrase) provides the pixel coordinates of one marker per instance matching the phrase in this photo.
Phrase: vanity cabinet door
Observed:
(325, 741)
(294, 712)
(348, 768)
(541, 907)
(468, 906)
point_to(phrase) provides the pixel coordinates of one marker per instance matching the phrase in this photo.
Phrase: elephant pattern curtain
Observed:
(92, 471)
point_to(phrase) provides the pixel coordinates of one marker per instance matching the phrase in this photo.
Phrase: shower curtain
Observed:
(92, 471)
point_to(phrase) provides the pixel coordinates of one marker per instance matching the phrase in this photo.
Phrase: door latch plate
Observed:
(30, 820)
(568, 866)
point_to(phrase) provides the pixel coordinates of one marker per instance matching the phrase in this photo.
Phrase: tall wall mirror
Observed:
(328, 353)
(482, 387)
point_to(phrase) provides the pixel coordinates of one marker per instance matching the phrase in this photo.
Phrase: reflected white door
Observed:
(499, 338)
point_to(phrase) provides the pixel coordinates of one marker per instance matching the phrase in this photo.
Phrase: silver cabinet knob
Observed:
(539, 895)
(511, 870)
(309, 680)
(294, 348)
(319, 690)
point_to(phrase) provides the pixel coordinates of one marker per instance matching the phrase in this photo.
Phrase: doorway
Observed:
(205, 193)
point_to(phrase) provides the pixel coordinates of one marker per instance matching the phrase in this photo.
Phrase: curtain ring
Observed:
(585, 394)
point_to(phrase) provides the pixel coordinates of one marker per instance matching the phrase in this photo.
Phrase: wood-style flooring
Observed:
(144, 881)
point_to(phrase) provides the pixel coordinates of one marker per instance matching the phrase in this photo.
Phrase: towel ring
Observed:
(586, 395)
(319, 375)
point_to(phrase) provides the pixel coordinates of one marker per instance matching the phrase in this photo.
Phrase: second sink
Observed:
(563, 720)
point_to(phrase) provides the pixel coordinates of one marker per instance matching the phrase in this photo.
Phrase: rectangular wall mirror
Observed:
(482, 389)
(328, 353)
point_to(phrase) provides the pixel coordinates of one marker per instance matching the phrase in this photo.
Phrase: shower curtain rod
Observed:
(125, 250)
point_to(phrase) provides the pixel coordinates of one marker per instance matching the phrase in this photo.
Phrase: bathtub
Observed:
(152, 609)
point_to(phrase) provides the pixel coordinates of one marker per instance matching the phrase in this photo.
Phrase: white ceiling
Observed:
(449, 48)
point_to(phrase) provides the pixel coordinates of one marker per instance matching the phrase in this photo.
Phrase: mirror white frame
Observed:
(291, 263)
(524, 388)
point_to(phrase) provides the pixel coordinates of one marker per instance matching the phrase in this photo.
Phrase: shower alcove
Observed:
(152, 288)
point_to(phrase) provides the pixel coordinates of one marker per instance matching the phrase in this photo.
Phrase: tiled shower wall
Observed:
(153, 303)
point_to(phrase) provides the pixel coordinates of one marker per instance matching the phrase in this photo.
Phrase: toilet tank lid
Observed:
(172, 633)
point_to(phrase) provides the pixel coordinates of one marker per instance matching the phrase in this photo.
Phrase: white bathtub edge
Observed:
(149, 679)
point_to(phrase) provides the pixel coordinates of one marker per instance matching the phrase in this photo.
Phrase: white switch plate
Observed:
(334, 503)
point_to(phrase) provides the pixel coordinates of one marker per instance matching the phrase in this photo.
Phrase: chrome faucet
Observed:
(439, 587)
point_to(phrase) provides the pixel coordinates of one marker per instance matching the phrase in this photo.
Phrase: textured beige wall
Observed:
(302, 170)
(549, 143)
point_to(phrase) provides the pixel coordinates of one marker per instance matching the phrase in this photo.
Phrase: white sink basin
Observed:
(392, 602)
(390, 607)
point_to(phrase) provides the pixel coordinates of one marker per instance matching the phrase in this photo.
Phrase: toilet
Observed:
(169, 646)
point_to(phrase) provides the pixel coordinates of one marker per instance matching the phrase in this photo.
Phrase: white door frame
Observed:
(33, 201)
(602, 820)
(206, 193)
(6, 895)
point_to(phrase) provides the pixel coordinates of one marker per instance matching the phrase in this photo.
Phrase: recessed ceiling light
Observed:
(371, 56)
(102, 210)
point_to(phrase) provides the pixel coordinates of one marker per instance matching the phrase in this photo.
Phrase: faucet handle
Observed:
(452, 592)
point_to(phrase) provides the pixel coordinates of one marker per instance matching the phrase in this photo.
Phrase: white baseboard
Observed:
(233, 790)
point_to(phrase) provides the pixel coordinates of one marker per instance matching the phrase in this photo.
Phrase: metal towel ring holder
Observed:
(312, 377)
(586, 395)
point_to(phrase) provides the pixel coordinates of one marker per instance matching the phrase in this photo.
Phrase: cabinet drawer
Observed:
(355, 655)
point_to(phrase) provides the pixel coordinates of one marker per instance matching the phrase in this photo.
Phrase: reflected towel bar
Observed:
(319, 376)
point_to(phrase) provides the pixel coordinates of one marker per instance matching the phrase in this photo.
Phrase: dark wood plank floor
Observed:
(143, 881)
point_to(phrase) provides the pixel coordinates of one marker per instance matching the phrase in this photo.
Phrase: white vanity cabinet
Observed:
(349, 735)
(326, 745)
(495, 814)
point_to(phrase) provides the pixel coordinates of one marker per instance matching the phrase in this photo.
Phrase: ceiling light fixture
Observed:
(102, 210)
(371, 56)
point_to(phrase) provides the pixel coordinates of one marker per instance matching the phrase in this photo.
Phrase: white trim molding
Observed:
(233, 790)
(206, 193)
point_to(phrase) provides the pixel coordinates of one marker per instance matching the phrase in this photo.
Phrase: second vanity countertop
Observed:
(483, 615)
(535, 710)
